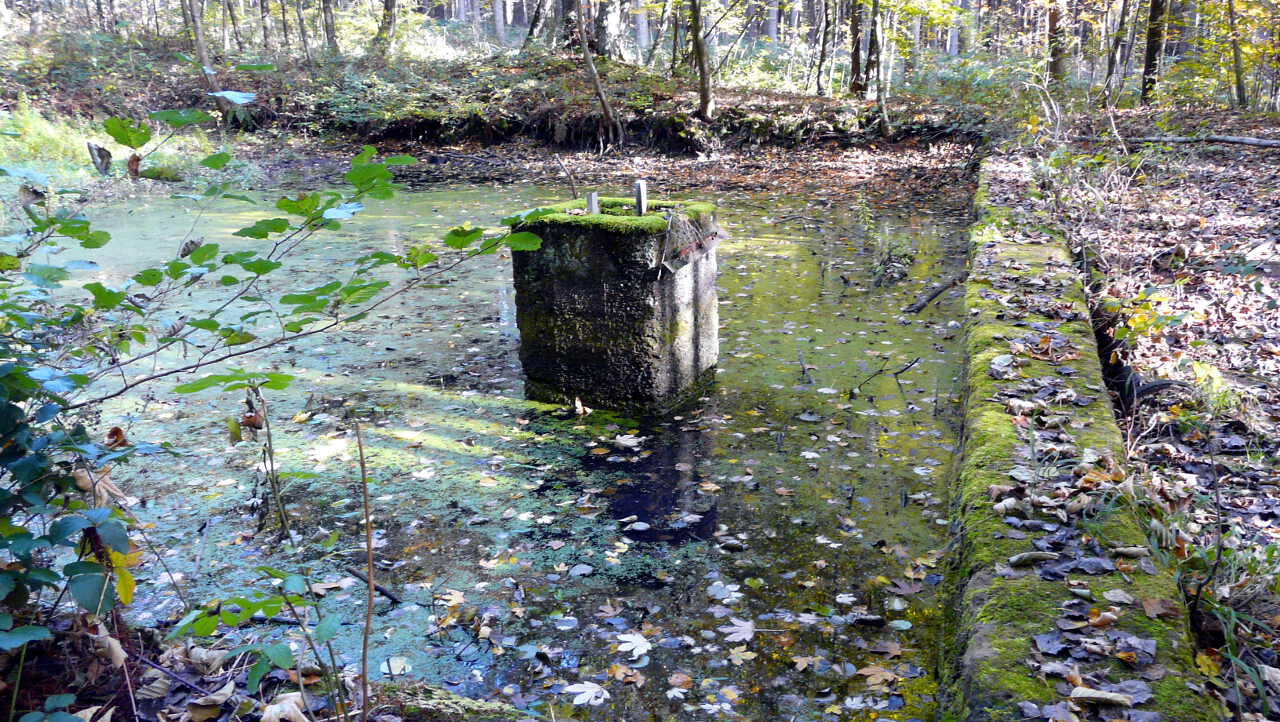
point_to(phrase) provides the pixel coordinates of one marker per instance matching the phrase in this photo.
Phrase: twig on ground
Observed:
(390, 595)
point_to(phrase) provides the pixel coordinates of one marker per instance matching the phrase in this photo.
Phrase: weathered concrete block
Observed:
(616, 309)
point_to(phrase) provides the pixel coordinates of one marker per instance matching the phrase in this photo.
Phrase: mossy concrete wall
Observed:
(616, 309)
(1021, 290)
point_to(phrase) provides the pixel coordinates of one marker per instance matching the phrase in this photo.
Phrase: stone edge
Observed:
(992, 618)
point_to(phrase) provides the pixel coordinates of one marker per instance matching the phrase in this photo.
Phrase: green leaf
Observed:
(532, 214)
(15, 638)
(280, 655)
(254, 67)
(523, 241)
(207, 382)
(217, 161)
(256, 673)
(127, 132)
(277, 381)
(115, 536)
(462, 236)
(264, 228)
(260, 266)
(149, 277)
(58, 701)
(204, 626)
(45, 276)
(420, 256)
(94, 592)
(400, 160)
(178, 119)
(327, 628)
(204, 324)
(103, 297)
(203, 253)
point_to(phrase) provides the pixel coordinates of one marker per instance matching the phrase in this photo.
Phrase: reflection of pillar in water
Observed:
(663, 494)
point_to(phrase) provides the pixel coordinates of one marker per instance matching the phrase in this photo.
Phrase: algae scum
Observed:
(771, 552)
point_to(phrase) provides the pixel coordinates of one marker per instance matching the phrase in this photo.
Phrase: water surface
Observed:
(769, 553)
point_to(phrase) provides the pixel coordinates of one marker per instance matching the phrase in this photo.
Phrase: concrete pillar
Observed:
(618, 309)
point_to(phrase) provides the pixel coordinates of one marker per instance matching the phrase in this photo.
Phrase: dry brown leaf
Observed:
(287, 706)
(88, 712)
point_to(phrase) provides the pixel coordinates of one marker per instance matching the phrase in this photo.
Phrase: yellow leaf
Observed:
(1208, 665)
(125, 585)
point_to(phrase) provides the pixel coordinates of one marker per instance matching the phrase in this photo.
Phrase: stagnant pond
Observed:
(771, 553)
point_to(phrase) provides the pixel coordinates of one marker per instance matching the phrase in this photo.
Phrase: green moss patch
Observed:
(1022, 285)
(617, 215)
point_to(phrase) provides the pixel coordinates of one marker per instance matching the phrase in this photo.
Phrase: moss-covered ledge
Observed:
(618, 215)
(1028, 331)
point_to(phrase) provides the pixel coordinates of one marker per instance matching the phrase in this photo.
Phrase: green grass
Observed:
(56, 147)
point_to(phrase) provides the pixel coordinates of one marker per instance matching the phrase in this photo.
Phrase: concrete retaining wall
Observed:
(1041, 471)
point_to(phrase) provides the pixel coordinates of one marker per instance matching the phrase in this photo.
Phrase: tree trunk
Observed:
(265, 13)
(568, 27)
(202, 54)
(302, 31)
(386, 30)
(1155, 41)
(600, 28)
(500, 21)
(676, 16)
(284, 25)
(330, 28)
(856, 85)
(533, 24)
(706, 100)
(235, 24)
(613, 125)
(873, 47)
(823, 36)
(657, 35)
(1113, 53)
(1237, 67)
(1057, 43)
(641, 16)
(771, 21)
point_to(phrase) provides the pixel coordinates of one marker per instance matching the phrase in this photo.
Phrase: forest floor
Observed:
(1182, 249)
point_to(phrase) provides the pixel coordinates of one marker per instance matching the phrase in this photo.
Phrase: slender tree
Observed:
(330, 28)
(612, 124)
(706, 99)
(857, 85)
(1057, 44)
(386, 30)
(265, 13)
(1155, 43)
(1237, 67)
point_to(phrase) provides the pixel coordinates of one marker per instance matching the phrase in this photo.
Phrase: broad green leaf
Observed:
(280, 655)
(178, 119)
(462, 236)
(104, 298)
(45, 276)
(264, 228)
(204, 253)
(127, 132)
(260, 266)
(328, 628)
(523, 241)
(94, 592)
(149, 277)
(217, 161)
